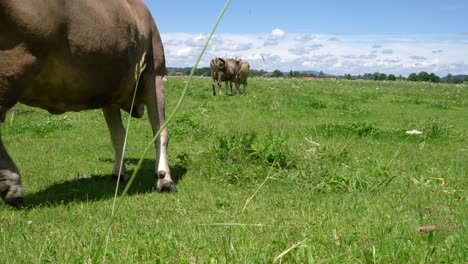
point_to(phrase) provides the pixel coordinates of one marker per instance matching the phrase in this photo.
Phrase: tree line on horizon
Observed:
(376, 76)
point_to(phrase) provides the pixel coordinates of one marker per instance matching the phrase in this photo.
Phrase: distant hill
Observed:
(314, 73)
(461, 77)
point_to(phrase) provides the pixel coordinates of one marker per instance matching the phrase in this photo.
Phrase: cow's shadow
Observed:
(99, 187)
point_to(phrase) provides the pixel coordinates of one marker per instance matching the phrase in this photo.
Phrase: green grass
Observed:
(344, 178)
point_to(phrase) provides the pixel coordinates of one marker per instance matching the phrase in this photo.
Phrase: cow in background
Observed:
(242, 74)
(223, 70)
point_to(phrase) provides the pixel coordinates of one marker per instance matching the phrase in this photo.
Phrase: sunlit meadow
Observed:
(293, 171)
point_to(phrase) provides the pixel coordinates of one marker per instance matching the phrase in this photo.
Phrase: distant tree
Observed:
(449, 78)
(277, 73)
(413, 77)
(424, 77)
(392, 77)
(202, 72)
(261, 72)
(452, 79)
(375, 76)
(383, 77)
(291, 74)
(434, 78)
(365, 76)
(256, 73)
(456, 80)
(348, 76)
(321, 75)
(298, 74)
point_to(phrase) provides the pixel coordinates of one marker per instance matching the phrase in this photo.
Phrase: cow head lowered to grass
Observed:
(63, 55)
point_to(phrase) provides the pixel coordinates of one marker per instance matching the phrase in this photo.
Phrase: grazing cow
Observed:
(243, 74)
(223, 70)
(63, 55)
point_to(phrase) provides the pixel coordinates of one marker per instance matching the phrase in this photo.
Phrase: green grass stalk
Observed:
(138, 70)
(118, 203)
(247, 202)
(280, 256)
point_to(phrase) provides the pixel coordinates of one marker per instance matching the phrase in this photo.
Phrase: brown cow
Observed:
(214, 74)
(63, 55)
(223, 70)
(242, 74)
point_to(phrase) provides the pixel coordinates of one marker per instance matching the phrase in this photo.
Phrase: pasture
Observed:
(327, 168)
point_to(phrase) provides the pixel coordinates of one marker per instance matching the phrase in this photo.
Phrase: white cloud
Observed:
(275, 36)
(196, 41)
(391, 61)
(181, 53)
(270, 42)
(307, 51)
(418, 58)
(303, 50)
(304, 37)
(278, 34)
(299, 50)
(387, 51)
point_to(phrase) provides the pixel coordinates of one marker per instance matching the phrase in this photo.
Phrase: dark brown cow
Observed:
(63, 55)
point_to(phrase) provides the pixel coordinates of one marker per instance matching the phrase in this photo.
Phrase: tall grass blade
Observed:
(118, 203)
(280, 256)
(247, 202)
(140, 67)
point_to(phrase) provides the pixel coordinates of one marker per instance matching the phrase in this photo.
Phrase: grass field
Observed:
(335, 176)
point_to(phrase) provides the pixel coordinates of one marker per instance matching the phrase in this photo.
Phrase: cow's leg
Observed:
(214, 85)
(214, 88)
(10, 180)
(18, 66)
(227, 91)
(117, 133)
(157, 116)
(230, 86)
(219, 87)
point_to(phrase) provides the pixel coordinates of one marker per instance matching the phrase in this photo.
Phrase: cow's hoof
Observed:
(16, 202)
(10, 188)
(165, 184)
(13, 196)
(123, 177)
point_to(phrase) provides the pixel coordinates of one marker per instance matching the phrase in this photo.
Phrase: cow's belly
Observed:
(73, 85)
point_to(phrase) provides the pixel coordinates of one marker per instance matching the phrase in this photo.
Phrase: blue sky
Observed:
(335, 36)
